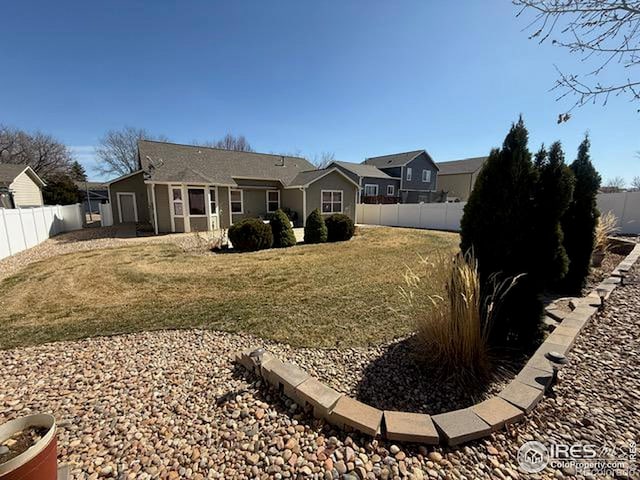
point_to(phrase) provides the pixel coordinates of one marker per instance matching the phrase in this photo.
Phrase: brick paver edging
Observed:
(452, 428)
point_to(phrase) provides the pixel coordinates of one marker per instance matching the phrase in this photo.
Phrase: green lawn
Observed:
(308, 295)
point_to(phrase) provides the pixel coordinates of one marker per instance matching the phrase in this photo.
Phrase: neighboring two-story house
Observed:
(416, 172)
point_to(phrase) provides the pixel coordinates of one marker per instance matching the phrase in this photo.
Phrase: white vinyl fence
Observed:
(625, 206)
(23, 228)
(106, 215)
(434, 216)
(447, 216)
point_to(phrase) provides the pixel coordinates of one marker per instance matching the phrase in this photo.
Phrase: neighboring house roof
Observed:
(92, 185)
(362, 169)
(170, 162)
(305, 178)
(9, 172)
(394, 159)
(467, 165)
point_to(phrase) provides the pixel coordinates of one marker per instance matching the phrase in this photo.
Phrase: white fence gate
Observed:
(446, 216)
(106, 214)
(23, 228)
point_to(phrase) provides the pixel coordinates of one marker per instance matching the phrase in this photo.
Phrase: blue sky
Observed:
(357, 78)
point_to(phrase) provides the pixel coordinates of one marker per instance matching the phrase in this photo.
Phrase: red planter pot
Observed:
(40, 461)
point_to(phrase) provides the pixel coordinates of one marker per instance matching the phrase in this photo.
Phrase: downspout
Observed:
(304, 206)
(155, 208)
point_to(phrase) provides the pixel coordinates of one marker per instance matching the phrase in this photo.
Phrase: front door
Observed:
(127, 206)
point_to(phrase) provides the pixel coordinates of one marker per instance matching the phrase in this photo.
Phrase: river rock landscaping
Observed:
(172, 404)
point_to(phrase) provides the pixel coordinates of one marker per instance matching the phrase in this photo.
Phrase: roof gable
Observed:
(394, 159)
(304, 179)
(467, 165)
(170, 162)
(10, 171)
(362, 169)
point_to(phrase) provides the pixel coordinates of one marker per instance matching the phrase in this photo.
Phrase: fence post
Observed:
(24, 235)
(6, 231)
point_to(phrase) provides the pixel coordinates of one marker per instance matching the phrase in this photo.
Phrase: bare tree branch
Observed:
(607, 30)
(118, 150)
(231, 142)
(46, 155)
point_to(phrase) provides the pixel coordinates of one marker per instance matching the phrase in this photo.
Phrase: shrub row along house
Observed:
(184, 188)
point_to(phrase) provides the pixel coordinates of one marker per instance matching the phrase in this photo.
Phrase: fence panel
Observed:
(625, 206)
(446, 216)
(106, 215)
(24, 228)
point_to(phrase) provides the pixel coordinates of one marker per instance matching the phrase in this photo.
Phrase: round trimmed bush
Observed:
(339, 228)
(250, 234)
(315, 231)
(283, 235)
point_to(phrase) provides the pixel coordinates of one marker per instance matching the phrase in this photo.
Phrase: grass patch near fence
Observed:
(338, 294)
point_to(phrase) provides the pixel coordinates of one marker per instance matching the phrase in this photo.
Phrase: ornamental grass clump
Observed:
(607, 225)
(452, 331)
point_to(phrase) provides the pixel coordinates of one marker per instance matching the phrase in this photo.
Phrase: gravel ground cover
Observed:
(171, 404)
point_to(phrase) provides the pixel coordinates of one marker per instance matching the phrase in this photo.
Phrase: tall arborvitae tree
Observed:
(497, 225)
(580, 219)
(77, 172)
(553, 193)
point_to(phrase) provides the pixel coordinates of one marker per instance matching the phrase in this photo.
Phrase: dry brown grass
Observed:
(313, 295)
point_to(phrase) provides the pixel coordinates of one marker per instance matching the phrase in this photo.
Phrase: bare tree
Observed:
(231, 142)
(118, 150)
(42, 152)
(635, 183)
(606, 32)
(323, 160)
(613, 185)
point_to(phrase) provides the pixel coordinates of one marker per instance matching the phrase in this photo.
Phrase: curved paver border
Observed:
(516, 400)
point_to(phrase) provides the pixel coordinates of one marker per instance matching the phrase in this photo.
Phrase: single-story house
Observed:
(457, 177)
(416, 171)
(376, 186)
(20, 186)
(183, 188)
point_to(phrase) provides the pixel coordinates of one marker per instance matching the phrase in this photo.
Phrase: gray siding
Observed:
(164, 216)
(292, 198)
(333, 181)
(417, 165)
(134, 184)
(382, 185)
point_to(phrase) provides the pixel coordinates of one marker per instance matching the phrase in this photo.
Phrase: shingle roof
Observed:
(9, 171)
(363, 170)
(467, 165)
(170, 162)
(394, 159)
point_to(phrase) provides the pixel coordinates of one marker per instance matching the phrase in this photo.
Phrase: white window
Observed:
(196, 202)
(236, 201)
(370, 190)
(426, 176)
(409, 174)
(273, 200)
(390, 190)
(178, 204)
(212, 201)
(331, 201)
